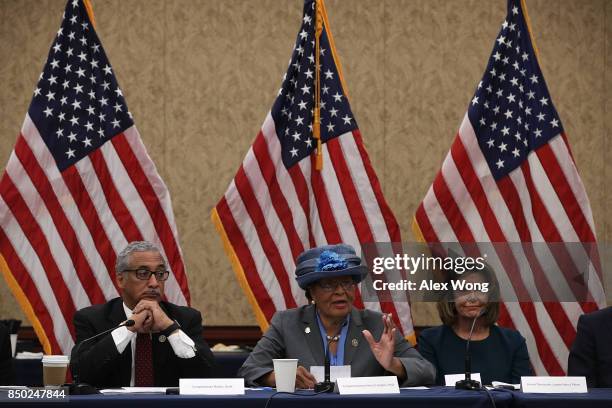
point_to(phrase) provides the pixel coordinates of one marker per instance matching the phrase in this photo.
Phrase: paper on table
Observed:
(334, 372)
(500, 384)
(135, 390)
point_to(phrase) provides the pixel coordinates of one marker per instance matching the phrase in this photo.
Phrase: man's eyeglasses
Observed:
(330, 286)
(145, 274)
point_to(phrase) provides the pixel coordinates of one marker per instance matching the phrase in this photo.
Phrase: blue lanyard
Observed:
(338, 358)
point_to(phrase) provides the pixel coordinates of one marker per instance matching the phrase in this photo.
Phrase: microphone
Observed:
(327, 385)
(78, 388)
(468, 383)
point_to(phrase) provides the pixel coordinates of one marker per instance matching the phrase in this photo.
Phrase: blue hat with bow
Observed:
(328, 261)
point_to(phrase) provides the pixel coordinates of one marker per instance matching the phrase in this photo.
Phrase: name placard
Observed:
(451, 379)
(368, 385)
(553, 385)
(211, 386)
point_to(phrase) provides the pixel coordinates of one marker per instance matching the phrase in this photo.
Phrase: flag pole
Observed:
(528, 22)
(316, 126)
(90, 12)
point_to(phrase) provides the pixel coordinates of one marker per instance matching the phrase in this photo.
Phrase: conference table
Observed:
(438, 397)
(435, 397)
(29, 372)
(596, 398)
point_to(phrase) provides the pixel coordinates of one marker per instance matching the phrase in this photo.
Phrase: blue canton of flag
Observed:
(293, 108)
(512, 112)
(77, 104)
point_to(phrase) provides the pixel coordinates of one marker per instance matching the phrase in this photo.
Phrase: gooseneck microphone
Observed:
(78, 388)
(327, 385)
(468, 383)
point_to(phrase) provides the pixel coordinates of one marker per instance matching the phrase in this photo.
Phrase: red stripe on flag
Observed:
(515, 208)
(326, 214)
(559, 252)
(504, 317)
(425, 225)
(156, 212)
(390, 221)
(557, 314)
(63, 226)
(357, 215)
(278, 200)
(451, 210)
(564, 192)
(267, 242)
(113, 198)
(88, 211)
(349, 192)
(28, 287)
(550, 233)
(572, 209)
(303, 194)
(39, 244)
(544, 350)
(246, 260)
(588, 238)
(477, 193)
(487, 215)
(569, 150)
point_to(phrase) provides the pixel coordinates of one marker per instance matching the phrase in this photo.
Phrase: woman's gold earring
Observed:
(312, 302)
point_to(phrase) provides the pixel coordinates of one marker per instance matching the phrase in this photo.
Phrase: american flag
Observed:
(79, 185)
(279, 204)
(510, 177)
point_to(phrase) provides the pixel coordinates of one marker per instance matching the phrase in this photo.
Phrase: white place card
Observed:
(368, 385)
(211, 386)
(335, 372)
(554, 385)
(451, 379)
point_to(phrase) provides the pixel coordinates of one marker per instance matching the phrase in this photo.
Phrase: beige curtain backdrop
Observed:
(200, 75)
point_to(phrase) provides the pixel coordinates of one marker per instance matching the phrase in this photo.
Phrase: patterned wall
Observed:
(200, 75)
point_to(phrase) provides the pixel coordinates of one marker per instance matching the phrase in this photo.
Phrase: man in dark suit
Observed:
(6, 357)
(164, 344)
(591, 353)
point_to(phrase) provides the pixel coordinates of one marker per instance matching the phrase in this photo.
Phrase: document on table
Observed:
(135, 390)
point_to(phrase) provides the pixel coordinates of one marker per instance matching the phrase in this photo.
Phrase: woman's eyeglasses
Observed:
(330, 286)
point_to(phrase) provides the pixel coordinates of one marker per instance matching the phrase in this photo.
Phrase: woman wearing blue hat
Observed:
(366, 340)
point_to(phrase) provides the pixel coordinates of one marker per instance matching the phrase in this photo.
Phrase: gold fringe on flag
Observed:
(316, 126)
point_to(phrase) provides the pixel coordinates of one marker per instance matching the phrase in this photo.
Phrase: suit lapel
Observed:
(354, 339)
(312, 334)
(115, 316)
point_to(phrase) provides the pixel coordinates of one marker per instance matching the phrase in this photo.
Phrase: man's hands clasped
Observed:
(149, 317)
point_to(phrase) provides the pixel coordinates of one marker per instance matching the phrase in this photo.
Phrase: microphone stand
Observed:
(327, 385)
(78, 388)
(468, 383)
